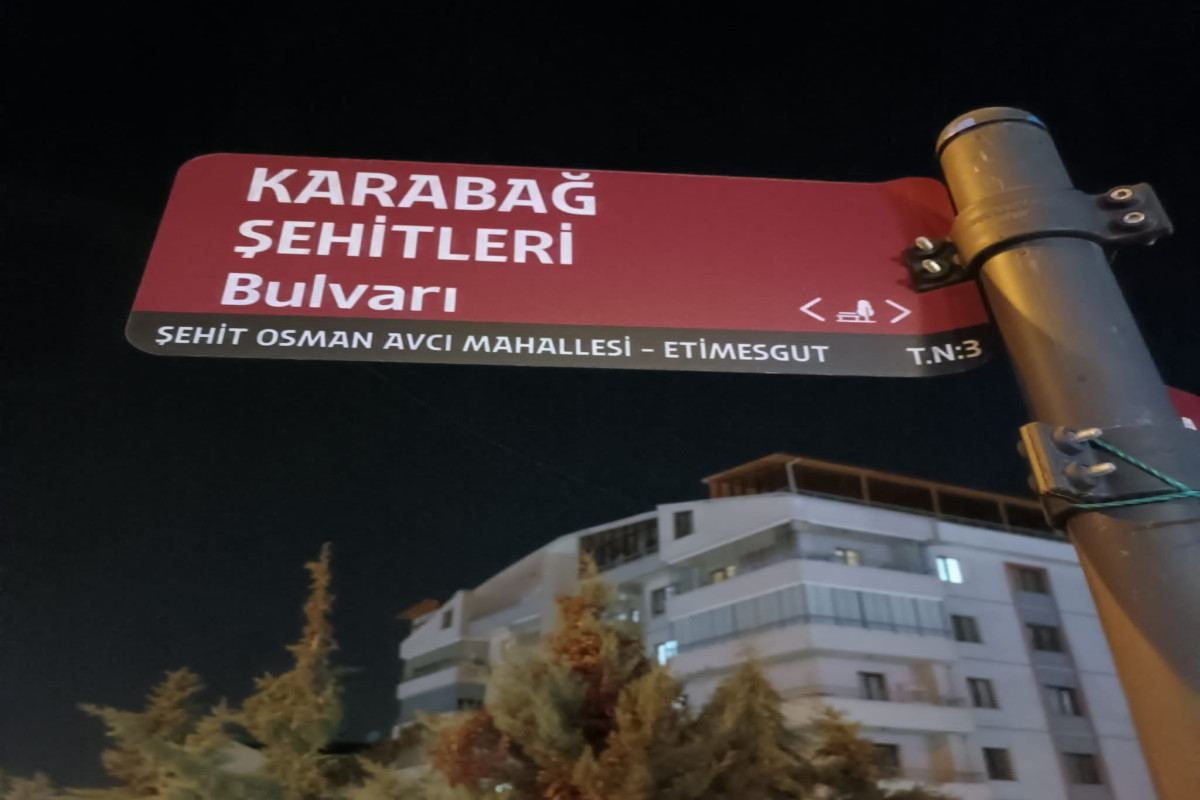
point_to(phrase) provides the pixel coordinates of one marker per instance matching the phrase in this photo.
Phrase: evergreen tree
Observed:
(652, 752)
(295, 714)
(171, 752)
(846, 766)
(39, 787)
(590, 717)
(587, 716)
(192, 770)
(170, 715)
(752, 752)
(576, 720)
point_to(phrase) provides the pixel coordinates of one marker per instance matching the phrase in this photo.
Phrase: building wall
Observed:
(757, 576)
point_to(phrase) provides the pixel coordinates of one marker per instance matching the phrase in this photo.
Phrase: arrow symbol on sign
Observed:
(904, 312)
(805, 308)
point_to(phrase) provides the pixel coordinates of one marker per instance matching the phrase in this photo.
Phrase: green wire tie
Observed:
(1182, 490)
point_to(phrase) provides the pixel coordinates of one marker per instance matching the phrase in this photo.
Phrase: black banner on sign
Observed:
(422, 342)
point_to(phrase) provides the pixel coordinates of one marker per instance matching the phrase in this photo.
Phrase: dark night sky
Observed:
(156, 511)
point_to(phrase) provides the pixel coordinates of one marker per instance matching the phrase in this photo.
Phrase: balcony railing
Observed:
(930, 776)
(897, 565)
(897, 694)
(814, 619)
(471, 670)
(745, 567)
(785, 473)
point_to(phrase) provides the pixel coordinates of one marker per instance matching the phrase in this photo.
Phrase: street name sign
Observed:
(316, 258)
(1188, 406)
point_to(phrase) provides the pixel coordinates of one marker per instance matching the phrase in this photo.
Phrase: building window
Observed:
(683, 524)
(949, 570)
(630, 543)
(873, 685)
(848, 555)
(722, 574)
(1045, 638)
(1030, 579)
(1082, 768)
(615, 546)
(465, 703)
(887, 759)
(658, 602)
(966, 629)
(999, 764)
(666, 651)
(447, 618)
(1064, 701)
(983, 694)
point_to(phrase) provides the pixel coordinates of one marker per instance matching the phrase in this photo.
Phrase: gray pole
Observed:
(1082, 363)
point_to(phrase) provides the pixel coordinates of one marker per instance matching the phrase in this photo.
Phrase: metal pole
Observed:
(1082, 363)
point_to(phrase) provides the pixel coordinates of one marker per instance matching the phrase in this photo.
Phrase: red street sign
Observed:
(1188, 406)
(281, 257)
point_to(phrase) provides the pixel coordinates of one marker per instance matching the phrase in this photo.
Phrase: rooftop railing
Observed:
(783, 473)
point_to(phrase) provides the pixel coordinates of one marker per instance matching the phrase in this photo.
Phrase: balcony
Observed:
(954, 783)
(793, 571)
(530, 607)
(808, 634)
(937, 634)
(799, 552)
(904, 694)
(931, 777)
(798, 542)
(910, 709)
(442, 675)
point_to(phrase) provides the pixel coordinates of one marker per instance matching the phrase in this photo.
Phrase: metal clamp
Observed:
(1123, 215)
(1066, 470)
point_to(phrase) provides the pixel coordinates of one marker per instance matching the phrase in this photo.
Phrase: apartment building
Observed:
(952, 623)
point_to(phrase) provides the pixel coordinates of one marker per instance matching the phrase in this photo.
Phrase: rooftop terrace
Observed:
(782, 472)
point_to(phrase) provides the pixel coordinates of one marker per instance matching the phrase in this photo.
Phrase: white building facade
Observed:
(952, 624)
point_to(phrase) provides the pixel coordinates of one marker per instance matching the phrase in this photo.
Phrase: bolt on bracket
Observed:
(1065, 470)
(1121, 216)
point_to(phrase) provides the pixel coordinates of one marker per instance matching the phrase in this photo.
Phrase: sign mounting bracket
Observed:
(1121, 216)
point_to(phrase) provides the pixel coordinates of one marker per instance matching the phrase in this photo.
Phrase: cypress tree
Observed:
(846, 766)
(752, 751)
(295, 714)
(170, 715)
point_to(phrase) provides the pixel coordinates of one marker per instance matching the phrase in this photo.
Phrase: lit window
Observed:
(983, 694)
(948, 569)
(848, 555)
(999, 764)
(1064, 701)
(722, 574)
(667, 650)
